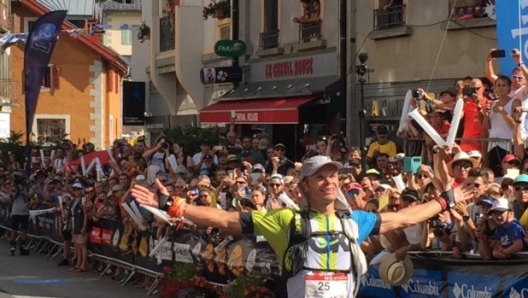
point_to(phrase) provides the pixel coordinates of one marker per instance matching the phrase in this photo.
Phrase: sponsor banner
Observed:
(516, 287)
(512, 31)
(371, 285)
(477, 284)
(423, 284)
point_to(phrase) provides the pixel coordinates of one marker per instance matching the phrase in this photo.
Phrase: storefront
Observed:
(287, 98)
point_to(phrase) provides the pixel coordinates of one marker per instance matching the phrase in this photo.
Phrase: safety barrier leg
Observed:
(152, 287)
(43, 246)
(132, 273)
(104, 271)
(59, 251)
(52, 250)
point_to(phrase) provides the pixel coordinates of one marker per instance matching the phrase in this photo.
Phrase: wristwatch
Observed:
(465, 218)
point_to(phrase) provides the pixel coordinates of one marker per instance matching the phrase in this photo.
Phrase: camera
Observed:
(416, 93)
(469, 91)
(441, 229)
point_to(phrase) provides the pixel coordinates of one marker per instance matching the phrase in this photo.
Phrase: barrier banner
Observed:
(435, 275)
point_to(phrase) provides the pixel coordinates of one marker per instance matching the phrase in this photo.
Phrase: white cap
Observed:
(77, 185)
(475, 153)
(501, 204)
(400, 155)
(313, 164)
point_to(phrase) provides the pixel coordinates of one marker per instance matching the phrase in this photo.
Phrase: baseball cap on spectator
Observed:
(208, 157)
(400, 155)
(204, 172)
(485, 200)
(313, 164)
(352, 186)
(508, 176)
(77, 185)
(232, 157)
(521, 179)
(475, 154)
(500, 204)
(373, 172)
(141, 178)
(354, 161)
(510, 158)
(280, 145)
(258, 168)
(410, 194)
(277, 178)
(115, 188)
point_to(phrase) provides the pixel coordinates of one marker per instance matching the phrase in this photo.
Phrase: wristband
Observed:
(177, 207)
(521, 63)
(442, 203)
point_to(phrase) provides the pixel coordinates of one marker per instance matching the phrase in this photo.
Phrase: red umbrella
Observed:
(102, 155)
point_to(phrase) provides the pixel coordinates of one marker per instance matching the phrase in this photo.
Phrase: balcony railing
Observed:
(269, 40)
(167, 39)
(464, 12)
(309, 32)
(392, 17)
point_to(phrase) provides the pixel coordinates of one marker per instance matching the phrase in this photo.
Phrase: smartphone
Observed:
(218, 148)
(411, 164)
(469, 91)
(498, 54)
(310, 147)
(231, 174)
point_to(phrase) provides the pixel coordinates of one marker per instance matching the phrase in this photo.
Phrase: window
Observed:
(51, 78)
(389, 14)
(126, 36)
(225, 32)
(51, 129)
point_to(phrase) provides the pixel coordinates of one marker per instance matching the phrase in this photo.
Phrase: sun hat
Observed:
(461, 156)
(394, 271)
(373, 172)
(277, 177)
(509, 158)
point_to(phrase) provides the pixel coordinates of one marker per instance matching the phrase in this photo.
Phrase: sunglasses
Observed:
(179, 186)
(381, 133)
(420, 176)
(77, 189)
(274, 185)
(353, 192)
(279, 149)
(462, 165)
(519, 188)
(476, 185)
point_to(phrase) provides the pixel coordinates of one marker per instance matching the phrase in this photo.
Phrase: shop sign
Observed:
(318, 65)
(217, 75)
(230, 48)
(247, 117)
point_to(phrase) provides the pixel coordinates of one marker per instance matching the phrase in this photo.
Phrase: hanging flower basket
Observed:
(144, 32)
(219, 9)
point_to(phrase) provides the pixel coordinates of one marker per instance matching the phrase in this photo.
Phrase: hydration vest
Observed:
(301, 240)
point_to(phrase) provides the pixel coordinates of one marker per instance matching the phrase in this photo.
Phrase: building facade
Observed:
(80, 95)
(7, 97)
(419, 44)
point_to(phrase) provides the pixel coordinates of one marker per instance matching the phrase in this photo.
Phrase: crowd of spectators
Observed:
(243, 173)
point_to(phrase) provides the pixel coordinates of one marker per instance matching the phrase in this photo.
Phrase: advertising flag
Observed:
(40, 43)
(512, 30)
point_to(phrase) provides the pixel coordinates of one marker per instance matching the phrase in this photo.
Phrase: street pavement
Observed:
(38, 276)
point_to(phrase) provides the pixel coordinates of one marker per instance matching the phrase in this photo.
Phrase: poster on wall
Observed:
(133, 103)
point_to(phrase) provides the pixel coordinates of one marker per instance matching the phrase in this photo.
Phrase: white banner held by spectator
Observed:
(405, 111)
(172, 162)
(109, 151)
(415, 114)
(455, 123)
(35, 213)
(83, 166)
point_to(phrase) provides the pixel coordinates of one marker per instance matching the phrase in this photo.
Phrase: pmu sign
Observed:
(230, 48)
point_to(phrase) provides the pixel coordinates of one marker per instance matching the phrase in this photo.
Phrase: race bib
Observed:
(319, 284)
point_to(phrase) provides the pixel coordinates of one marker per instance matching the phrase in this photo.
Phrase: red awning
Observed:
(256, 111)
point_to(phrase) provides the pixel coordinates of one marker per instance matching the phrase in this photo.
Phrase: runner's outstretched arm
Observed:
(228, 222)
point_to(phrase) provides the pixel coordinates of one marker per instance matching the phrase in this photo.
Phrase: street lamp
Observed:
(361, 70)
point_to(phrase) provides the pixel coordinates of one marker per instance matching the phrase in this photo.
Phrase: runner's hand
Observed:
(146, 197)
